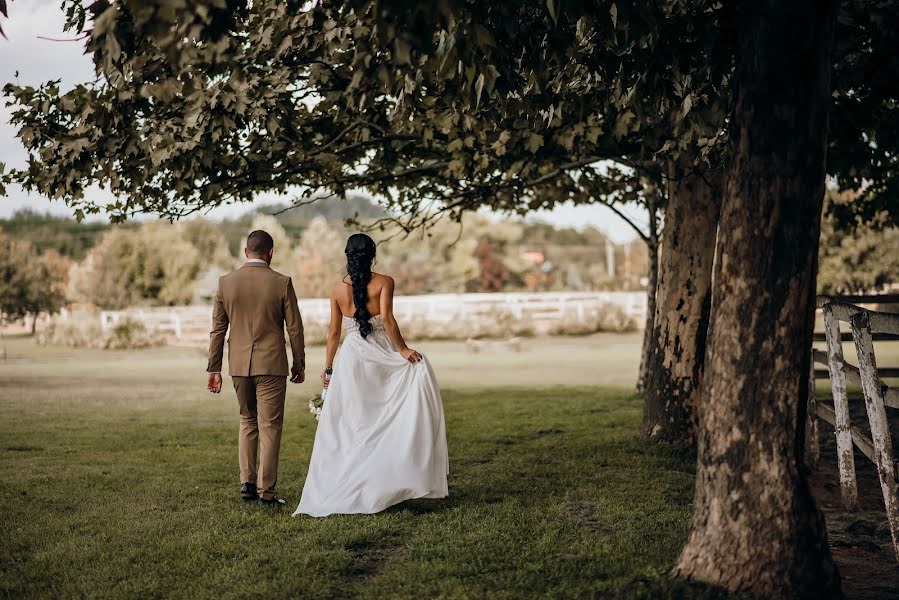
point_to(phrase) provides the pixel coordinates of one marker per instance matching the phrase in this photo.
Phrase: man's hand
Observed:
(297, 375)
(214, 383)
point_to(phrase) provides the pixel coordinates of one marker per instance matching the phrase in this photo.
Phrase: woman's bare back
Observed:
(343, 292)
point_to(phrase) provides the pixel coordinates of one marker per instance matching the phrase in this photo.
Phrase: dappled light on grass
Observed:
(127, 486)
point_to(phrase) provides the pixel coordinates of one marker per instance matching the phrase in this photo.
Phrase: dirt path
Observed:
(860, 541)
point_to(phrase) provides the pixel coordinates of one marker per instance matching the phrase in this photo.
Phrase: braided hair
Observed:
(360, 252)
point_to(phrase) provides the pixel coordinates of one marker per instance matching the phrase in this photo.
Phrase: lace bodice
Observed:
(353, 327)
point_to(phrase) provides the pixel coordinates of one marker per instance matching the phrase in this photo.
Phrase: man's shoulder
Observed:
(263, 271)
(228, 277)
(253, 277)
(251, 273)
(280, 276)
(234, 276)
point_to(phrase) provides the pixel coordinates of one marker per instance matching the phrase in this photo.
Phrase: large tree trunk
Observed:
(755, 526)
(652, 285)
(682, 309)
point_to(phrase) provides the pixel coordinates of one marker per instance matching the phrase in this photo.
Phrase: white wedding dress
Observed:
(381, 437)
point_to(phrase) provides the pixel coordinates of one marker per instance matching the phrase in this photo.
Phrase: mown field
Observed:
(121, 482)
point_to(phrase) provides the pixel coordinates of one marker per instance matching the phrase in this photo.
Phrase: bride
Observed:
(381, 437)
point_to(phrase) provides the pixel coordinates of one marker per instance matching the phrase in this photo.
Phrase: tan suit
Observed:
(257, 303)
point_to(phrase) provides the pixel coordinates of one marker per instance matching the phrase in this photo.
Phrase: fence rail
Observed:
(194, 321)
(878, 447)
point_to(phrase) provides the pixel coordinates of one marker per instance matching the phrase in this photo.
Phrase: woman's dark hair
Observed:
(360, 252)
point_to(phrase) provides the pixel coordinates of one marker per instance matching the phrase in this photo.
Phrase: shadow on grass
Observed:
(529, 462)
(549, 498)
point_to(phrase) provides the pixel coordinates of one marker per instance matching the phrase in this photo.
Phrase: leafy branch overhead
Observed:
(478, 105)
(436, 108)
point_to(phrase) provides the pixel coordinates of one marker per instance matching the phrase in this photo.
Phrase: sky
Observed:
(37, 59)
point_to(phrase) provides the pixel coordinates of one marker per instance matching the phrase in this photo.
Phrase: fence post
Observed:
(518, 309)
(812, 447)
(842, 425)
(176, 325)
(880, 431)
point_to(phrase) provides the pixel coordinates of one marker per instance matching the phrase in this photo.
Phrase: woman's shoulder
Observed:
(340, 284)
(381, 279)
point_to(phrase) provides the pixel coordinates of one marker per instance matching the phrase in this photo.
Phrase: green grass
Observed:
(120, 481)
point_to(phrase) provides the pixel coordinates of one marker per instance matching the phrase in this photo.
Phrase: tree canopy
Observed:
(202, 106)
(445, 107)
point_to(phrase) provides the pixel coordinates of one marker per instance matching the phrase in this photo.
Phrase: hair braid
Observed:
(360, 252)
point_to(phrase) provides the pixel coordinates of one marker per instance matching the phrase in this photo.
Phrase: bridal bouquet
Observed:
(316, 403)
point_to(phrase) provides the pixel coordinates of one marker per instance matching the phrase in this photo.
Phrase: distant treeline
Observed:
(156, 262)
(73, 239)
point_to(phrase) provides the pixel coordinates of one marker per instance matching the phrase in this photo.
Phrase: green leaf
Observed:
(478, 88)
(483, 37)
(552, 10)
(687, 105)
(622, 124)
(534, 142)
(402, 52)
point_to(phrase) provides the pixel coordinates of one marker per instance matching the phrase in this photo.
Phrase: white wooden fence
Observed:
(866, 326)
(193, 321)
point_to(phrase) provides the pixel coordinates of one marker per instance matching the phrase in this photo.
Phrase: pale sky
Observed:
(38, 60)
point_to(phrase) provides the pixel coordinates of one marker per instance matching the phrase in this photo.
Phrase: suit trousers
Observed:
(261, 401)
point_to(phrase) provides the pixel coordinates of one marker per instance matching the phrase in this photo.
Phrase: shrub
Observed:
(496, 323)
(128, 334)
(74, 334)
(131, 334)
(610, 318)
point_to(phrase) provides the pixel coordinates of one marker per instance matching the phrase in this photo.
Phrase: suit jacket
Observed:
(257, 302)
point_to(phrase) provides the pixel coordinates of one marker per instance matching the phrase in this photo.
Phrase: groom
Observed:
(257, 302)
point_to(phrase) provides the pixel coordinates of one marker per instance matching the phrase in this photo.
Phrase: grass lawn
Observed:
(121, 481)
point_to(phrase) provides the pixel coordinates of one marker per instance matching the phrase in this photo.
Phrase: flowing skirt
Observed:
(381, 438)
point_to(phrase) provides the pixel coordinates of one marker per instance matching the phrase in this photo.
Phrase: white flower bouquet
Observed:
(316, 403)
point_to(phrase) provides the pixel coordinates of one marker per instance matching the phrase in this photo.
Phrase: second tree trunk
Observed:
(674, 374)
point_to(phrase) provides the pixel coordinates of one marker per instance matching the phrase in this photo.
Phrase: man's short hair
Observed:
(259, 242)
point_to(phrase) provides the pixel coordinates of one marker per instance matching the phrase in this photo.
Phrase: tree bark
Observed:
(683, 299)
(755, 526)
(652, 285)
